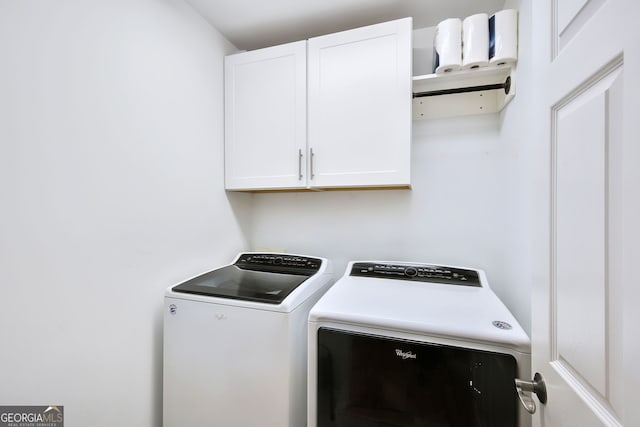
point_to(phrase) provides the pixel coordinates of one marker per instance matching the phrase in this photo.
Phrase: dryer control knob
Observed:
(410, 271)
(278, 260)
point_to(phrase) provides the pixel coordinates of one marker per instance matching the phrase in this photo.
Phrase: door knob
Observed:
(537, 386)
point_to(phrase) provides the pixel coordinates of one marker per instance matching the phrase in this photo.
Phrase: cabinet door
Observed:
(265, 118)
(359, 89)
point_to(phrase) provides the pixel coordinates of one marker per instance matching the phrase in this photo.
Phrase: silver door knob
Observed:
(537, 386)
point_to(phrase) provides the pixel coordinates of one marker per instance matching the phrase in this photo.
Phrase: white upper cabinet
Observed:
(333, 112)
(265, 118)
(359, 90)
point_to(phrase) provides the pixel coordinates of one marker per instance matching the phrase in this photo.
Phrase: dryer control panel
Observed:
(417, 272)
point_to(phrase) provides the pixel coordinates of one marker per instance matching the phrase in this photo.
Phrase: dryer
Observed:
(235, 341)
(411, 344)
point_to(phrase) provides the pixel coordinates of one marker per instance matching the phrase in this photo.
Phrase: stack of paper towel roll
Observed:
(475, 42)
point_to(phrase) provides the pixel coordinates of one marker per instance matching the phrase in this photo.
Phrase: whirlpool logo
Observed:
(405, 354)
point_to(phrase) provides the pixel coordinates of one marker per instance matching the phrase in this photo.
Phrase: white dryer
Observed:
(235, 341)
(409, 344)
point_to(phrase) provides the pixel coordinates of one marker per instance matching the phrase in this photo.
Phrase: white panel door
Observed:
(587, 227)
(265, 118)
(359, 128)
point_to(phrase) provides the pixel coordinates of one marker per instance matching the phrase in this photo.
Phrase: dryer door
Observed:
(372, 381)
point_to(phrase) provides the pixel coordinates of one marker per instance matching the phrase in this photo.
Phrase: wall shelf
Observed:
(461, 93)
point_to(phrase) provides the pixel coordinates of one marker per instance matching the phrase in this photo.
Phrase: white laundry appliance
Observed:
(409, 344)
(235, 341)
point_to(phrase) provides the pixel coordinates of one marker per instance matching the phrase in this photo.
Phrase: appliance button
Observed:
(410, 271)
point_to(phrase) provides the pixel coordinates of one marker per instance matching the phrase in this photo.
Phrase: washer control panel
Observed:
(252, 261)
(418, 273)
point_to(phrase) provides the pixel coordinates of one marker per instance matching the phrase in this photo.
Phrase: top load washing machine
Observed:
(408, 344)
(235, 342)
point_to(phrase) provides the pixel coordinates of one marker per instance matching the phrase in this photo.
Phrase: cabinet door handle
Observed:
(299, 164)
(311, 157)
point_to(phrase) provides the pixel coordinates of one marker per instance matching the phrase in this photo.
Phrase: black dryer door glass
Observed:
(370, 381)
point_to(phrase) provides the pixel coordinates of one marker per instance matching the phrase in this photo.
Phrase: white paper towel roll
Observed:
(447, 44)
(503, 37)
(475, 41)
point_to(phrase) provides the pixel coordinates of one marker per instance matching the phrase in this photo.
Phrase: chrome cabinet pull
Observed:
(537, 387)
(299, 164)
(311, 155)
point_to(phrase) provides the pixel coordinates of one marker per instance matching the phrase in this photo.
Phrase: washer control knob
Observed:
(278, 260)
(410, 271)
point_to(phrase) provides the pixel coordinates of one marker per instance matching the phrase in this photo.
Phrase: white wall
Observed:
(468, 205)
(517, 138)
(111, 189)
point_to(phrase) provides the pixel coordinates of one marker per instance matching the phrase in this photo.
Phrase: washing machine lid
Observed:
(265, 278)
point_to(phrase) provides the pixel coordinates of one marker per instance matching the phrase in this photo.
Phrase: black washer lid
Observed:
(266, 278)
